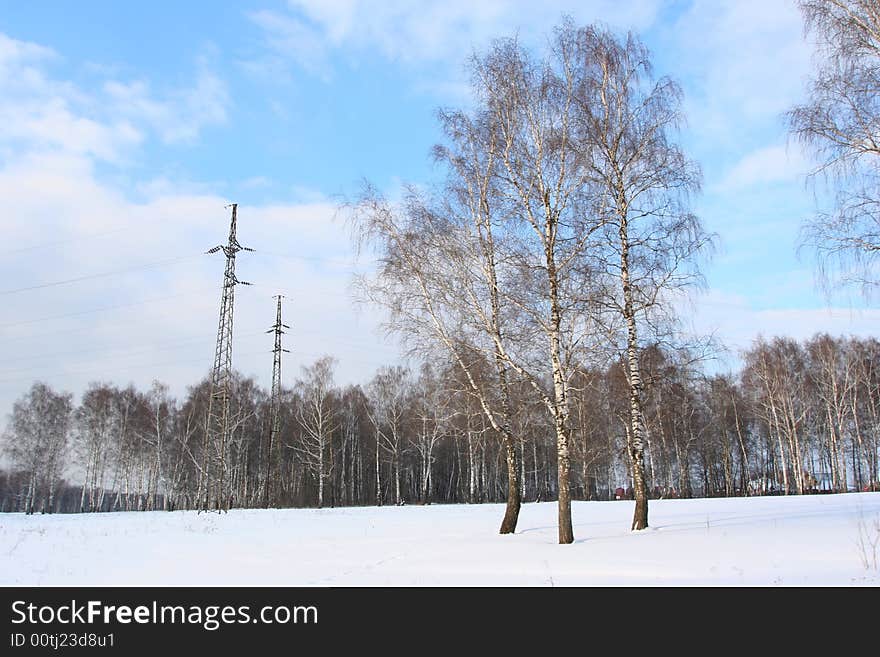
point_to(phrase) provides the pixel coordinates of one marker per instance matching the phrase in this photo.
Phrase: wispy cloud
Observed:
(765, 166)
(311, 32)
(289, 40)
(40, 110)
(736, 322)
(745, 61)
(181, 114)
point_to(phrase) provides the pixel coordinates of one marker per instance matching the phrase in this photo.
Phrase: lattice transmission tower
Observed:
(278, 329)
(214, 491)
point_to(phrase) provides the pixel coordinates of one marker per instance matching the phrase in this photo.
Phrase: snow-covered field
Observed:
(812, 540)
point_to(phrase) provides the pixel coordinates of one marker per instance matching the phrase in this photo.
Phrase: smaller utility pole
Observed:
(276, 328)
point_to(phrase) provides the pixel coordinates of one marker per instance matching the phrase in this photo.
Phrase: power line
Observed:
(49, 245)
(150, 265)
(348, 342)
(21, 375)
(177, 344)
(294, 256)
(101, 310)
(144, 266)
(303, 331)
(124, 353)
(126, 368)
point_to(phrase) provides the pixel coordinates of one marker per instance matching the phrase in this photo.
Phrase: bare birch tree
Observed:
(36, 442)
(840, 124)
(548, 213)
(495, 271)
(94, 423)
(625, 124)
(388, 406)
(428, 282)
(472, 158)
(432, 414)
(317, 418)
(162, 411)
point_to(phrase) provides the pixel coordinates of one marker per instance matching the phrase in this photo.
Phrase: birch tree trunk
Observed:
(636, 434)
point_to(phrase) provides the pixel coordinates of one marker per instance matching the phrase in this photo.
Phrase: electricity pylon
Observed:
(213, 493)
(276, 328)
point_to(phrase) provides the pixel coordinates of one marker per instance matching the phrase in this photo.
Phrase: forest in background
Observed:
(798, 418)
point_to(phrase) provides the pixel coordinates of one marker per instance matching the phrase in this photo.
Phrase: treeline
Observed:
(800, 417)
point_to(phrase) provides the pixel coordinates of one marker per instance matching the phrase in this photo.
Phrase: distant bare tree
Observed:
(840, 123)
(775, 374)
(162, 411)
(864, 405)
(832, 374)
(36, 441)
(800, 417)
(353, 443)
(95, 424)
(317, 418)
(388, 408)
(432, 414)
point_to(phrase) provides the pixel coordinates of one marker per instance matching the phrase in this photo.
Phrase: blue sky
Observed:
(128, 126)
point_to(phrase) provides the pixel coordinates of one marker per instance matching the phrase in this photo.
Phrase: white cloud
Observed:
(421, 33)
(289, 39)
(40, 111)
(21, 68)
(747, 61)
(734, 320)
(50, 123)
(180, 116)
(256, 182)
(15, 53)
(763, 166)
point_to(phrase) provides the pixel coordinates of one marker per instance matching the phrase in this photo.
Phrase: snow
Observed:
(790, 541)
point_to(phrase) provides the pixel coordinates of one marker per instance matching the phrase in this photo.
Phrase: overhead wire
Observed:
(16, 373)
(127, 352)
(100, 310)
(69, 281)
(124, 368)
(72, 240)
